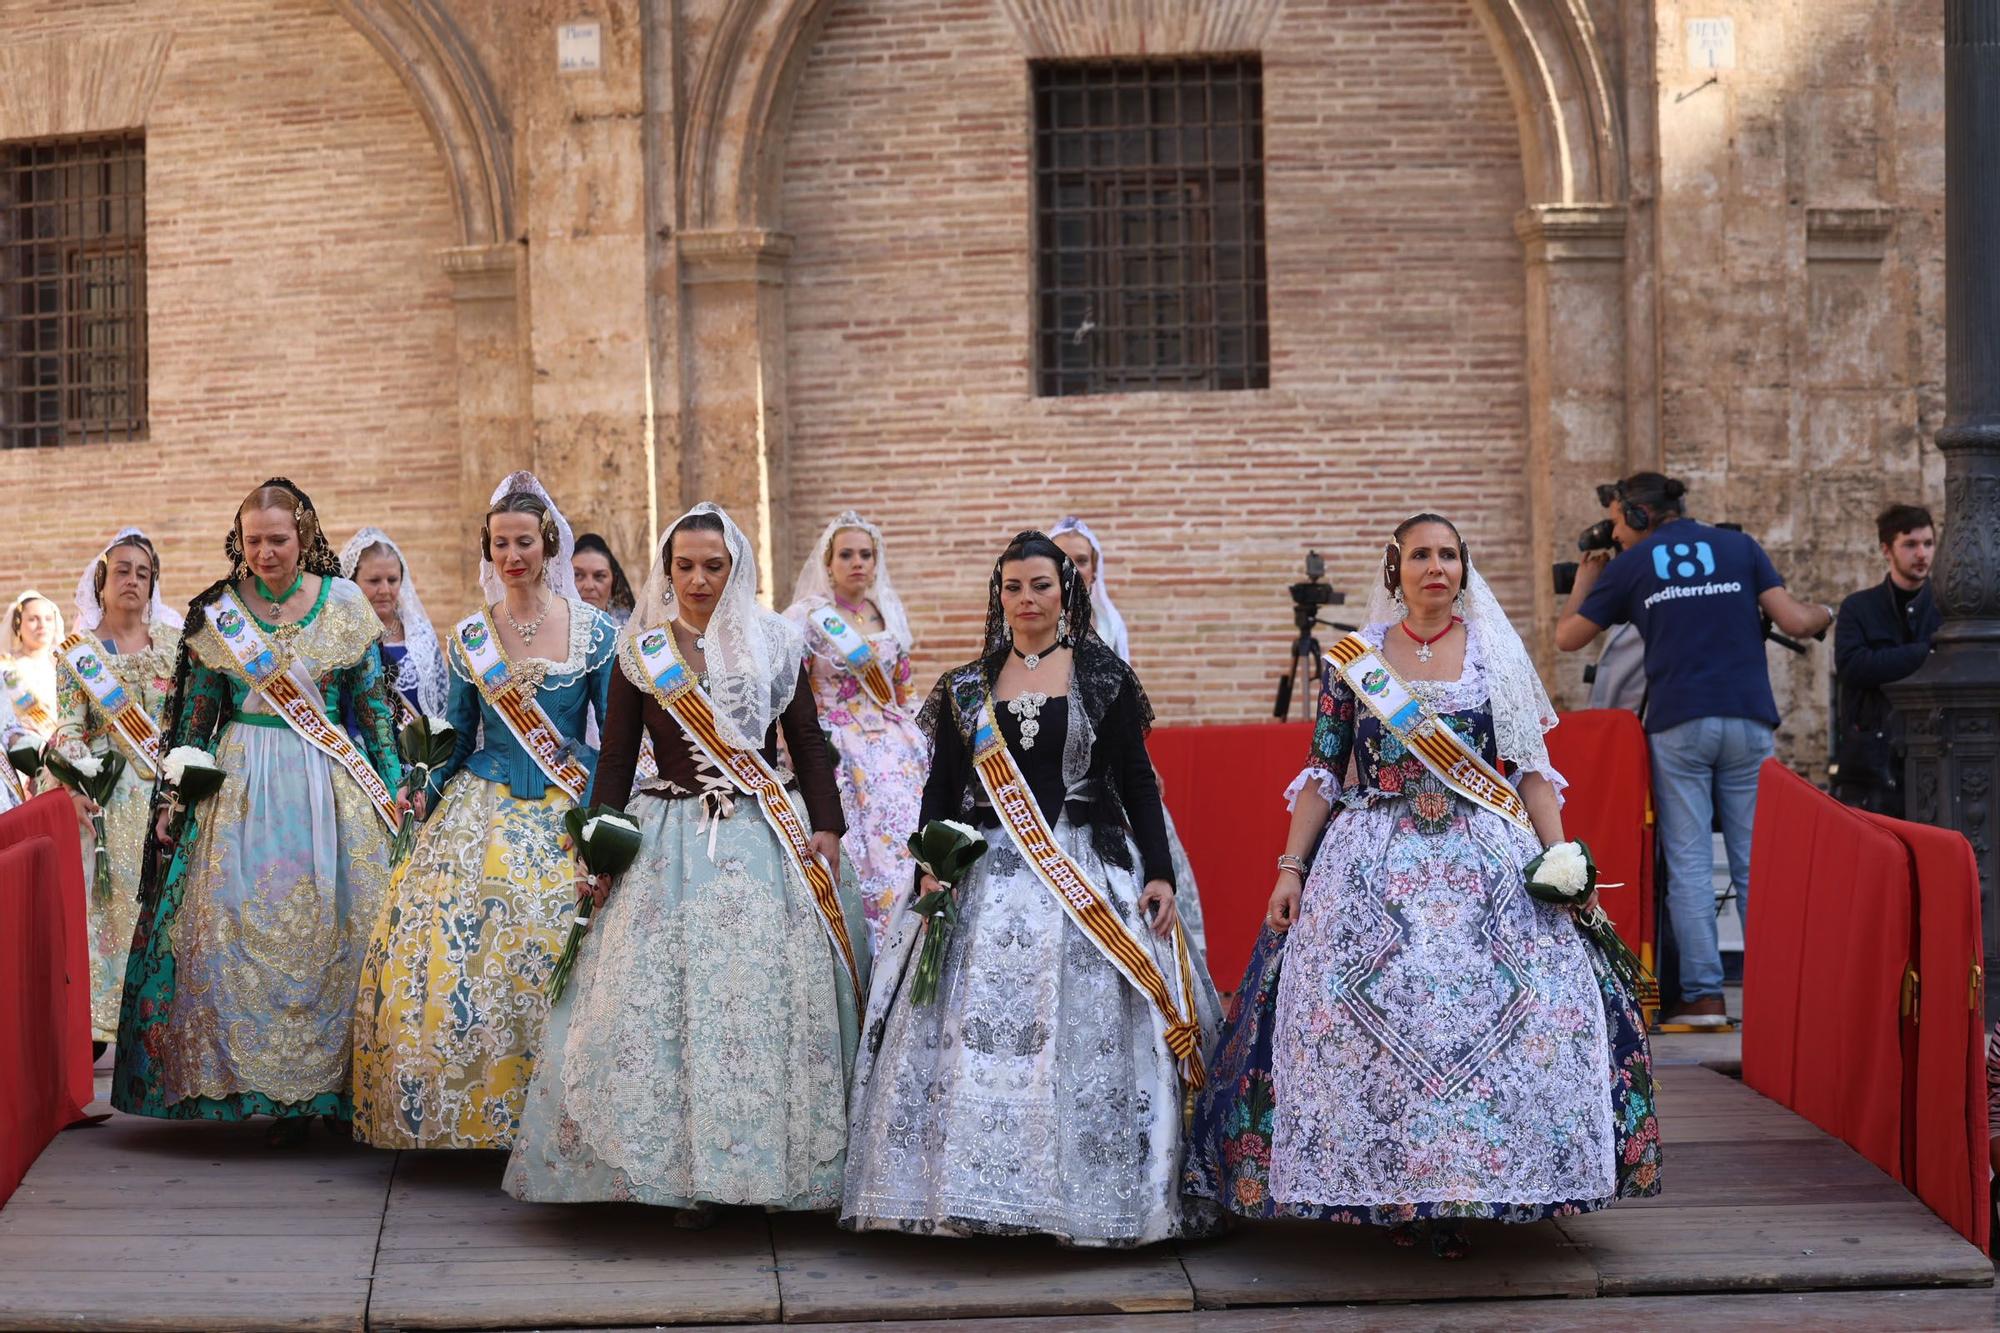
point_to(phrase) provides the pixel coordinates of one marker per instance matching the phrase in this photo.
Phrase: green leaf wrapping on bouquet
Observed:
(98, 786)
(191, 773)
(946, 850)
(605, 839)
(26, 757)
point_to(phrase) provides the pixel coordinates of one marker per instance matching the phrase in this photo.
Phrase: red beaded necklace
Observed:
(1423, 644)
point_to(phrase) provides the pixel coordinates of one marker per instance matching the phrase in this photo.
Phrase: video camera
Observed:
(1309, 597)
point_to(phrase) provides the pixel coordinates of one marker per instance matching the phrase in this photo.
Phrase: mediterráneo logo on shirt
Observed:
(1681, 562)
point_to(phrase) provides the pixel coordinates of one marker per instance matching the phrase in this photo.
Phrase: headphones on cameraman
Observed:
(1637, 516)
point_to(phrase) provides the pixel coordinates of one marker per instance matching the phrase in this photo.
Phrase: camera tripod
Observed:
(1306, 654)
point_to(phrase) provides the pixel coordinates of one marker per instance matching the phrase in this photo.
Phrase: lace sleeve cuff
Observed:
(1547, 770)
(1329, 786)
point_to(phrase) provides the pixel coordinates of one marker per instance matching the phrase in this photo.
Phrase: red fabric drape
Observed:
(1948, 1090)
(1602, 752)
(1225, 788)
(45, 1079)
(1830, 934)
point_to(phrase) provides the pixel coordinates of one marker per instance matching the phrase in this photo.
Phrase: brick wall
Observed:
(1396, 292)
(300, 322)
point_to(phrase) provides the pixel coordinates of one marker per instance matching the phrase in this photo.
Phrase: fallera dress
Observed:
(147, 677)
(879, 760)
(1036, 1093)
(239, 993)
(1428, 1041)
(453, 989)
(702, 1051)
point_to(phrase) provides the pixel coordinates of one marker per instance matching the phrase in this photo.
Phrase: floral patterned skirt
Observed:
(1427, 1042)
(452, 1004)
(1036, 1094)
(882, 760)
(239, 993)
(702, 1051)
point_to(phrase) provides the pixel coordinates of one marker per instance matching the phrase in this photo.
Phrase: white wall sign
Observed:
(579, 48)
(1711, 45)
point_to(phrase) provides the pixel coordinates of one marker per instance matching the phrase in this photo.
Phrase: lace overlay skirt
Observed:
(1036, 1093)
(452, 999)
(702, 1051)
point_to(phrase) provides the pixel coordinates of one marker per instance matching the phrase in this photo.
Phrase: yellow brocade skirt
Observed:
(453, 987)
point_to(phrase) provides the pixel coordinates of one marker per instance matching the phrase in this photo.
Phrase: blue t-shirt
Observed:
(1692, 592)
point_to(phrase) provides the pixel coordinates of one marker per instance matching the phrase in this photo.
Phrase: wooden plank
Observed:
(1766, 1246)
(1277, 1263)
(457, 1252)
(1773, 1173)
(828, 1274)
(145, 1224)
(1824, 1312)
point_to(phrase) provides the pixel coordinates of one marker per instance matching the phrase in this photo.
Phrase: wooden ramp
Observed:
(145, 1225)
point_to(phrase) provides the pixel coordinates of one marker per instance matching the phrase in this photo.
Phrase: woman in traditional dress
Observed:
(701, 1053)
(858, 641)
(454, 987)
(600, 579)
(1417, 1039)
(409, 646)
(1043, 1089)
(124, 651)
(28, 672)
(1080, 544)
(239, 996)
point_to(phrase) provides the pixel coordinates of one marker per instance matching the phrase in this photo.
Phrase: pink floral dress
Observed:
(880, 761)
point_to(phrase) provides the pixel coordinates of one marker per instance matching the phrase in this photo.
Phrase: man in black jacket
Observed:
(1883, 634)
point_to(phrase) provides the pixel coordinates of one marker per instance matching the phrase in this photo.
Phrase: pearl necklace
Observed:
(533, 627)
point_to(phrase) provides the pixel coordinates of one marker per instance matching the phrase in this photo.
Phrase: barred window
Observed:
(72, 290)
(1149, 236)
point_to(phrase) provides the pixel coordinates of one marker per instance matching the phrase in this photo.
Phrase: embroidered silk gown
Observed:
(879, 757)
(453, 990)
(702, 1051)
(239, 994)
(1428, 1041)
(1037, 1092)
(148, 677)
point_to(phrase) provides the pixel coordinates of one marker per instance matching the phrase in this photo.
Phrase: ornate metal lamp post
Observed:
(1952, 704)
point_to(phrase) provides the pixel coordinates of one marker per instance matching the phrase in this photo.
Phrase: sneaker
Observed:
(1707, 1013)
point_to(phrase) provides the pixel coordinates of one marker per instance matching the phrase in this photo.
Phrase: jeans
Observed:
(1702, 767)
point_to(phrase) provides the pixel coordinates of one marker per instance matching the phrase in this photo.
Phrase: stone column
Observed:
(733, 403)
(1576, 396)
(493, 407)
(1951, 706)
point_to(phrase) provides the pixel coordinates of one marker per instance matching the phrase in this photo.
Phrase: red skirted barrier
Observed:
(45, 1079)
(1830, 936)
(1225, 788)
(1948, 1093)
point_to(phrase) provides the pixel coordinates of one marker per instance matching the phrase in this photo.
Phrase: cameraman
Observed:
(1884, 634)
(1698, 594)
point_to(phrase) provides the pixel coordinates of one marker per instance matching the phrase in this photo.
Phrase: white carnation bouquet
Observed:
(1566, 874)
(94, 777)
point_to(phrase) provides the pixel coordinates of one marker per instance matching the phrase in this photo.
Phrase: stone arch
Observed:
(436, 61)
(1550, 54)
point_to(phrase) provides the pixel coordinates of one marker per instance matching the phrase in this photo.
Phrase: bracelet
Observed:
(1293, 864)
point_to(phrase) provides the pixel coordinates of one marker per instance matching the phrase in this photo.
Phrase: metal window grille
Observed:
(1149, 215)
(72, 290)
